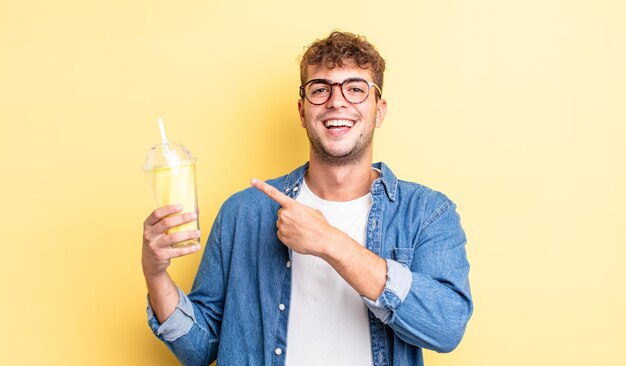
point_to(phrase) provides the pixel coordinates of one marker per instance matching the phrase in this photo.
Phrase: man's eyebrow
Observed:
(354, 79)
(319, 81)
(332, 82)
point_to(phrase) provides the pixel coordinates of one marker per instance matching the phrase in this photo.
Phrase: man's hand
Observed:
(301, 228)
(306, 231)
(157, 246)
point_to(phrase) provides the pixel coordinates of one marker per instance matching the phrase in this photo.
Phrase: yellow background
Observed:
(515, 109)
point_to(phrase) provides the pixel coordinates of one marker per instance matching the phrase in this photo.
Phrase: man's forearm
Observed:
(363, 270)
(163, 295)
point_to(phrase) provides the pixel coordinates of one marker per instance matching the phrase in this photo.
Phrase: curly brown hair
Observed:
(339, 47)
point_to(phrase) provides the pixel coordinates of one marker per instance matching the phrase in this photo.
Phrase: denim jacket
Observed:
(238, 308)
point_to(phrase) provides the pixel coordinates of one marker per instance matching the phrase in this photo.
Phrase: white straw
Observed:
(163, 137)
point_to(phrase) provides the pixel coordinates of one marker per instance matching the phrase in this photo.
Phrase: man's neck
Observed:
(340, 183)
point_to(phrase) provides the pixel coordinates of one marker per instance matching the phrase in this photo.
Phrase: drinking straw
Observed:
(163, 137)
(170, 155)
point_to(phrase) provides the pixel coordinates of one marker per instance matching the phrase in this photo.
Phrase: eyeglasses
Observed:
(354, 90)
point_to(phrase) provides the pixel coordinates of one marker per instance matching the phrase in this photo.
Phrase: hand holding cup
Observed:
(159, 247)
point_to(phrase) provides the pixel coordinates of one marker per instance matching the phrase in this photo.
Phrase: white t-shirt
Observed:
(328, 322)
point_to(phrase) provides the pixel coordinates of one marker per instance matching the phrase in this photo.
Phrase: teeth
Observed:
(338, 123)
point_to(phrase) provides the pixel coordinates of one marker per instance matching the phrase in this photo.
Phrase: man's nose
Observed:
(336, 100)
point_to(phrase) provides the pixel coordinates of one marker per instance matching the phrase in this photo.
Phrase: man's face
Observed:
(340, 132)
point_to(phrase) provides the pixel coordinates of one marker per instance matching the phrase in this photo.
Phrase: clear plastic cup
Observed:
(171, 173)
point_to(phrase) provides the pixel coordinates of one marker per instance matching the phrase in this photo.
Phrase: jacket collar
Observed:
(387, 179)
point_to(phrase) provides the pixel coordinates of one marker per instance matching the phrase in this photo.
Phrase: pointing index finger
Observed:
(272, 192)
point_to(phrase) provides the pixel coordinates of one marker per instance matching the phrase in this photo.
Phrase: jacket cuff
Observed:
(399, 279)
(178, 324)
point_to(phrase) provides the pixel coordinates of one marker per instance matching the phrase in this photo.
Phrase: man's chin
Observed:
(339, 158)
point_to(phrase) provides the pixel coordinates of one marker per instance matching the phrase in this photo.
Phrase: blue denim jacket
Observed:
(238, 308)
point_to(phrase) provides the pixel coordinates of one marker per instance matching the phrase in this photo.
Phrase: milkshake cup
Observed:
(171, 173)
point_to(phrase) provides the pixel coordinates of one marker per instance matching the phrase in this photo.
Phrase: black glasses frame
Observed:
(332, 85)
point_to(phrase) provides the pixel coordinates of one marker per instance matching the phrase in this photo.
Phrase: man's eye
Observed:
(319, 90)
(356, 87)
(356, 90)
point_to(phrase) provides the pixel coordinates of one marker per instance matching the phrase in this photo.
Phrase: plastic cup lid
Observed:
(168, 154)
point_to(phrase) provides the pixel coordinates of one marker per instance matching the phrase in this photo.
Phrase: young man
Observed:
(336, 263)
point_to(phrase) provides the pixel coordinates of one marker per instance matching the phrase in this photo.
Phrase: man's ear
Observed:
(381, 110)
(301, 111)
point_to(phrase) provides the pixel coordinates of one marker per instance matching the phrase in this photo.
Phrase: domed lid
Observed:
(168, 154)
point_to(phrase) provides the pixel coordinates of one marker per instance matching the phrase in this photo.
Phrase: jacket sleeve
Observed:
(192, 331)
(427, 300)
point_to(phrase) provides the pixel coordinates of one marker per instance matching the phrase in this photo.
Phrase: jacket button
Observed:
(288, 264)
(295, 189)
(281, 307)
(278, 351)
(373, 224)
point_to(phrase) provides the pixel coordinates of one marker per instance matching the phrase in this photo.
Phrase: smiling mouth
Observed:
(338, 123)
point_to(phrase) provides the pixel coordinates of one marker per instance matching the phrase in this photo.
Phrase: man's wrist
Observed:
(336, 246)
(154, 279)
